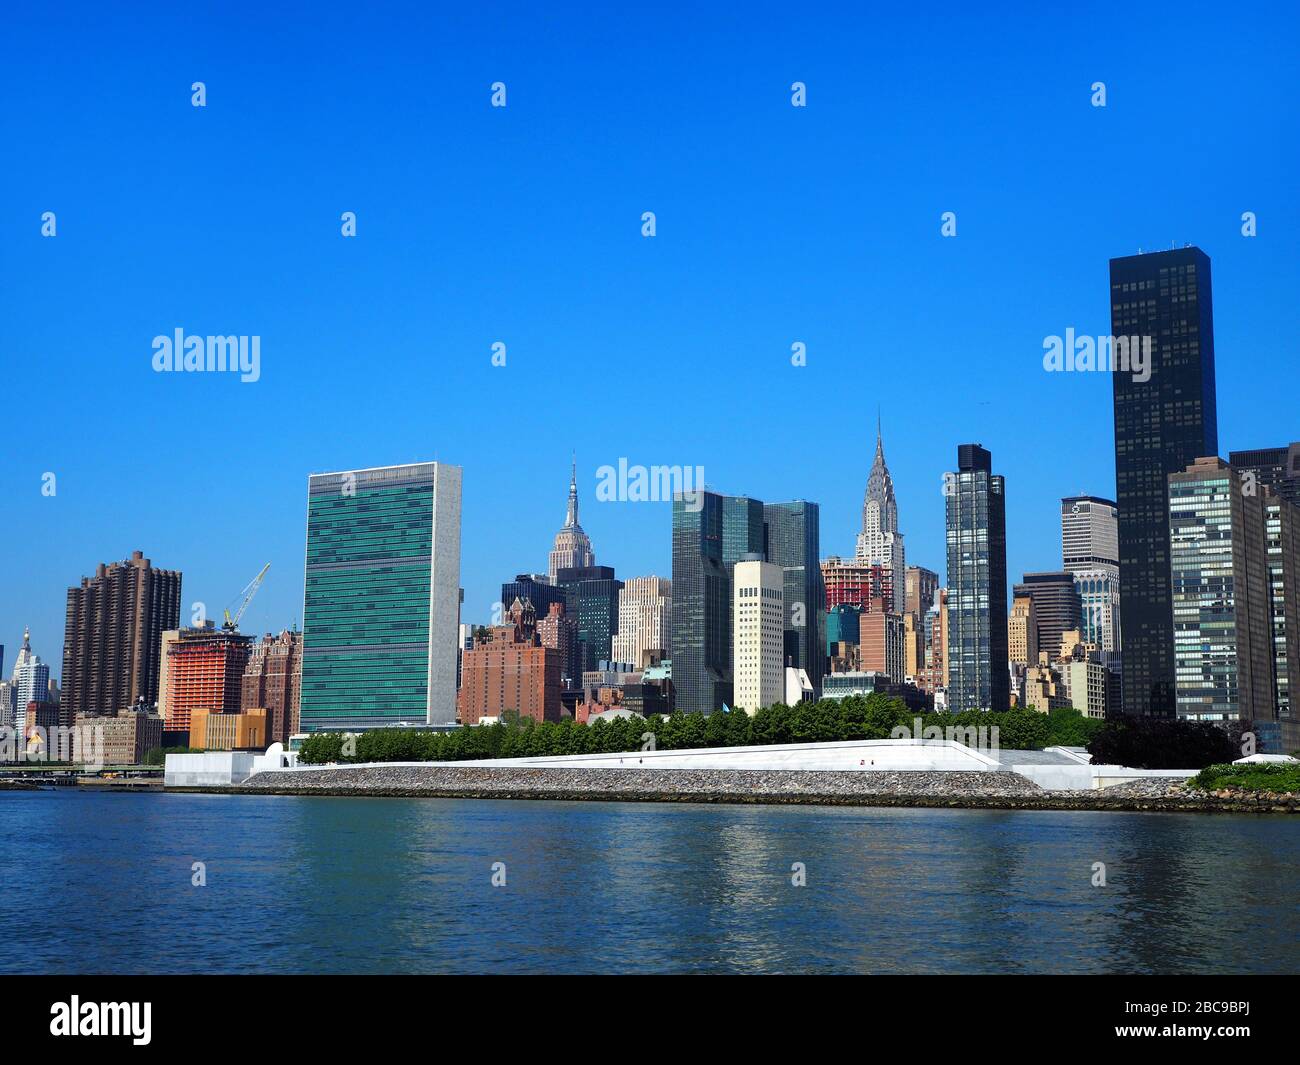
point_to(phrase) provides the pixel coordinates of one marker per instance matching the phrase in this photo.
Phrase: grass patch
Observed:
(1261, 776)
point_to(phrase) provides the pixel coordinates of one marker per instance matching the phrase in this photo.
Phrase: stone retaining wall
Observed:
(863, 788)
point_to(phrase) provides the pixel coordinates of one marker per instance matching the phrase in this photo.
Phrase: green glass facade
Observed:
(368, 590)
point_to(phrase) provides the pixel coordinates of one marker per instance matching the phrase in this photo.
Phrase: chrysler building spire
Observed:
(880, 541)
(880, 491)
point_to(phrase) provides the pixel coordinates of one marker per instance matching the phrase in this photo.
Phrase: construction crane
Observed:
(232, 624)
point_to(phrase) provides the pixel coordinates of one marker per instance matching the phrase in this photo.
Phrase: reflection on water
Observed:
(395, 885)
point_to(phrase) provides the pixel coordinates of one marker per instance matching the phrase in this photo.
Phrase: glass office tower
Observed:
(592, 599)
(1223, 640)
(711, 533)
(794, 544)
(1162, 425)
(381, 600)
(975, 507)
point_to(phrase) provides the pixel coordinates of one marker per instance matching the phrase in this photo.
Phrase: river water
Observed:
(108, 883)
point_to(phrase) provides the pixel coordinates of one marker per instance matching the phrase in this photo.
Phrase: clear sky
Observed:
(522, 225)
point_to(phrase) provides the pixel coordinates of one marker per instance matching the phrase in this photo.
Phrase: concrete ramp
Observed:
(881, 755)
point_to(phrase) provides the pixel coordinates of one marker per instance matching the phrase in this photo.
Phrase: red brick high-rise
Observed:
(273, 681)
(112, 639)
(882, 641)
(509, 669)
(560, 630)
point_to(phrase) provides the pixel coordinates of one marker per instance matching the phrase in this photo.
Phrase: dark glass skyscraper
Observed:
(711, 533)
(1162, 425)
(743, 530)
(975, 506)
(701, 633)
(794, 544)
(533, 588)
(1274, 475)
(592, 598)
(1276, 467)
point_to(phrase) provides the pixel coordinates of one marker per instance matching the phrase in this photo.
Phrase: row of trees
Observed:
(871, 717)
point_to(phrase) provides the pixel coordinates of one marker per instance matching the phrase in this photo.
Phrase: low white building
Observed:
(222, 768)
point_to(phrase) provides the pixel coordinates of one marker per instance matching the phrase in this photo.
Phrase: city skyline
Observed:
(269, 624)
(896, 572)
(520, 238)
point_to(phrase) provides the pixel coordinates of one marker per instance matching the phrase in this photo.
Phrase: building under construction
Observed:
(204, 671)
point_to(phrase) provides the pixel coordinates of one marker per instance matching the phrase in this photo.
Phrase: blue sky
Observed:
(522, 225)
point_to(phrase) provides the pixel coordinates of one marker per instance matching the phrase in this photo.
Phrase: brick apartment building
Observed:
(273, 681)
(507, 668)
(112, 637)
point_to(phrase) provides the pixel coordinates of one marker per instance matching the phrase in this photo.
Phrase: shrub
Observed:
(1254, 776)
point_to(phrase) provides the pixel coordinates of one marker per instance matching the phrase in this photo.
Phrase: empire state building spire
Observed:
(572, 549)
(571, 516)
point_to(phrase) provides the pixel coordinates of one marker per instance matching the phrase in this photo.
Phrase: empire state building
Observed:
(572, 548)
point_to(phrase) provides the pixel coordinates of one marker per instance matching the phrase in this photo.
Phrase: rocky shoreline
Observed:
(869, 788)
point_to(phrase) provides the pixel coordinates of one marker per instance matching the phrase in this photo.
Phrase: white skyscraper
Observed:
(880, 541)
(30, 681)
(645, 611)
(758, 634)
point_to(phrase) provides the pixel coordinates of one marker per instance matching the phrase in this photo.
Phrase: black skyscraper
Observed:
(1162, 425)
(711, 533)
(793, 543)
(533, 588)
(592, 597)
(1276, 467)
(976, 522)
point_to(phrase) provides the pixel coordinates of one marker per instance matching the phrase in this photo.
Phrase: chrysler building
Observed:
(880, 541)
